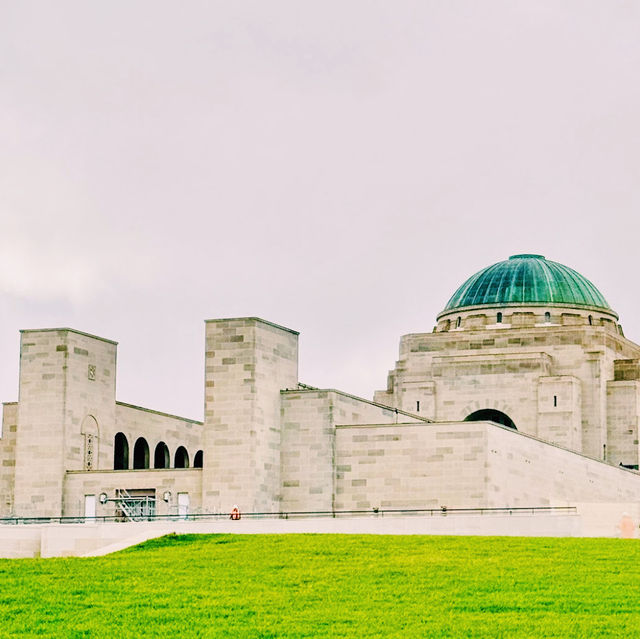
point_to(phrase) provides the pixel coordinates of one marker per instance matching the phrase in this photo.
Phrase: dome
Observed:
(529, 280)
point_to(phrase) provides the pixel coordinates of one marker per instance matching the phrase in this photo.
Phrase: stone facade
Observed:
(525, 405)
(556, 382)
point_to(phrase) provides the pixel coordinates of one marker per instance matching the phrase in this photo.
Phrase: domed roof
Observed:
(527, 280)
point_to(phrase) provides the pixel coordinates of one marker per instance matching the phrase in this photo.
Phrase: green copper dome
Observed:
(527, 279)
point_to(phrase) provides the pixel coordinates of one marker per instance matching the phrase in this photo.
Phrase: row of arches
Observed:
(142, 457)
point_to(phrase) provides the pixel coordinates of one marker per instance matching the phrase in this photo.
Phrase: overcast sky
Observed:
(336, 167)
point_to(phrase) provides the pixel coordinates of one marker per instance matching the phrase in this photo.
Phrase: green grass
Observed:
(330, 586)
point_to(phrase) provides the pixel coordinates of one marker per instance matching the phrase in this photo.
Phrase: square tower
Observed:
(248, 361)
(66, 392)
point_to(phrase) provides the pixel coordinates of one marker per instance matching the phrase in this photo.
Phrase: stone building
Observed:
(526, 393)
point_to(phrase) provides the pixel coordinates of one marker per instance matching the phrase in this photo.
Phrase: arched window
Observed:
(161, 457)
(590, 320)
(491, 415)
(182, 458)
(141, 454)
(197, 460)
(499, 318)
(547, 318)
(120, 452)
(458, 321)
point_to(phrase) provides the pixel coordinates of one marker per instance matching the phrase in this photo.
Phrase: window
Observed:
(547, 318)
(182, 458)
(418, 406)
(197, 460)
(161, 457)
(590, 320)
(555, 401)
(141, 454)
(458, 322)
(499, 318)
(120, 452)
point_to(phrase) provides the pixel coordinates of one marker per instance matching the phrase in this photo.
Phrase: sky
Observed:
(339, 168)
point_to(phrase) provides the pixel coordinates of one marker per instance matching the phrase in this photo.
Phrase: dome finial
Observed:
(524, 256)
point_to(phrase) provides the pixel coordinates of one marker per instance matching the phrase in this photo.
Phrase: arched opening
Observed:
(547, 318)
(499, 318)
(161, 457)
(458, 322)
(590, 320)
(491, 415)
(141, 454)
(182, 458)
(120, 452)
(197, 460)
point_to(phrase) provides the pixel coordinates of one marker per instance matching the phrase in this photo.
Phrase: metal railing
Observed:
(443, 511)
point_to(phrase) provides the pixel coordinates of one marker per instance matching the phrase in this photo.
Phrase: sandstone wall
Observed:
(78, 484)
(468, 464)
(8, 457)
(309, 419)
(155, 427)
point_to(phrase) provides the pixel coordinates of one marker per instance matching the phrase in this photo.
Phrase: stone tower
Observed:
(248, 361)
(66, 391)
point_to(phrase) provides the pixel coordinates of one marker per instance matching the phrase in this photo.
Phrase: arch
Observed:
(161, 458)
(547, 318)
(89, 430)
(197, 460)
(120, 452)
(181, 458)
(491, 415)
(499, 318)
(141, 454)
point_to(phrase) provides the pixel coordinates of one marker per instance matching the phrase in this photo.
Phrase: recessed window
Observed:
(458, 322)
(499, 318)
(547, 318)
(590, 320)
(417, 407)
(555, 400)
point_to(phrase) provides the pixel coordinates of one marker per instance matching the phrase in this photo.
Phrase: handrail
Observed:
(443, 511)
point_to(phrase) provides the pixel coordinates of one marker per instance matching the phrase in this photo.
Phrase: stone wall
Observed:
(78, 484)
(468, 464)
(410, 466)
(623, 417)
(452, 374)
(155, 427)
(8, 457)
(523, 471)
(309, 419)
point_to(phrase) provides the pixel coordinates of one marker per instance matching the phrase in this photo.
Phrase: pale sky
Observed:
(336, 167)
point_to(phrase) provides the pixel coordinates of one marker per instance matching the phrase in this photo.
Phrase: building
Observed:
(526, 393)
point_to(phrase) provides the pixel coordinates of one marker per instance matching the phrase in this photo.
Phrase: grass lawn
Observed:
(330, 586)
